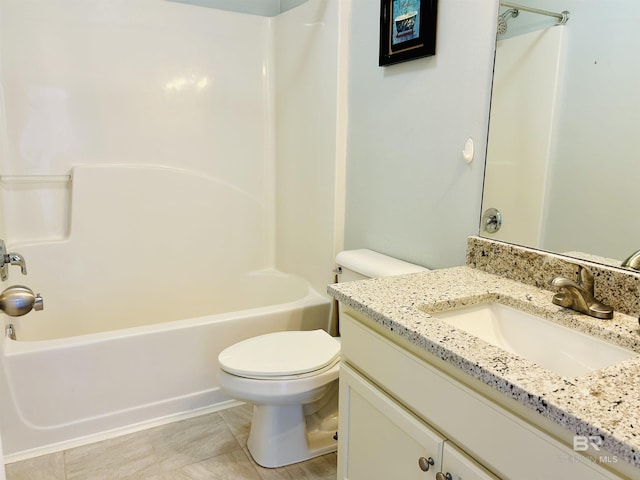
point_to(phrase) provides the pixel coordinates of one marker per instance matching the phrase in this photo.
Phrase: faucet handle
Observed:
(632, 261)
(7, 259)
(16, 259)
(584, 277)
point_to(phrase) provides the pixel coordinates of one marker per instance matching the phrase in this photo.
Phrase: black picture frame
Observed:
(407, 30)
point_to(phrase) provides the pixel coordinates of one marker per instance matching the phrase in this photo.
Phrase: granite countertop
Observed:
(604, 403)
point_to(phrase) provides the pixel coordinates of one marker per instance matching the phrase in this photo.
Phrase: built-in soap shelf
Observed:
(35, 207)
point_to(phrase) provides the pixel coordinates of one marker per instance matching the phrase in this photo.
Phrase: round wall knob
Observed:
(18, 300)
(425, 463)
(491, 220)
(467, 151)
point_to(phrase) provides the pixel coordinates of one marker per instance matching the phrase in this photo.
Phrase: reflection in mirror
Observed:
(632, 261)
(562, 162)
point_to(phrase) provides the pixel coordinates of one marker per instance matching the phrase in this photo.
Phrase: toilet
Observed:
(291, 377)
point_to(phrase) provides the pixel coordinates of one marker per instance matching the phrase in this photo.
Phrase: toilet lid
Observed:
(281, 354)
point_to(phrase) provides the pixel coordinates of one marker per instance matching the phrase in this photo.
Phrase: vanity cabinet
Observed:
(402, 417)
(383, 440)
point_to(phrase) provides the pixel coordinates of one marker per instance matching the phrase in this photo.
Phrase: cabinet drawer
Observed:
(497, 439)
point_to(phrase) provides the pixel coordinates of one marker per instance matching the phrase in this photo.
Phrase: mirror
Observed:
(563, 165)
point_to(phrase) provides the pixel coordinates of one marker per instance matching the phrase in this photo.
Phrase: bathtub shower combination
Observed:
(139, 299)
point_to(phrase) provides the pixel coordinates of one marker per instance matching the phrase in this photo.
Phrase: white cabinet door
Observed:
(458, 466)
(380, 440)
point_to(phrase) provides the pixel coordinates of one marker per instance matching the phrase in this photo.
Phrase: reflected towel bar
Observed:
(562, 17)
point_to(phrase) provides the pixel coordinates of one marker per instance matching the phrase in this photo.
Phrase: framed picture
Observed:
(407, 30)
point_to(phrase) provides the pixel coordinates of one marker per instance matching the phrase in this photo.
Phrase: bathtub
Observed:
(69, 391)
(139, 299)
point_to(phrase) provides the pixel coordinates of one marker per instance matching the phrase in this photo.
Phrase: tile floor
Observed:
(211, 447)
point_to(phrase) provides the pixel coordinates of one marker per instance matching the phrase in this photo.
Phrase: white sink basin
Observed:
(567, 352)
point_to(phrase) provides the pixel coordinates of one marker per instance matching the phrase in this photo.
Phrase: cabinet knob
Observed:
(443, 476)
(425, 463)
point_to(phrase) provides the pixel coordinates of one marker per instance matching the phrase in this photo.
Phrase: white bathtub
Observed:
(139, 299)
(60, 390)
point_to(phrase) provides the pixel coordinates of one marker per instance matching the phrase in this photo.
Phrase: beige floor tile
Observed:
(239, 421)
(210, 446)
(319, 468)
(281, 473)
(323, 467)
(228, 466)
(45, 467)
(192, 440)
(129, 456)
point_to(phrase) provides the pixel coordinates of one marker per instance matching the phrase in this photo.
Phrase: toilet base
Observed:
(282, 434)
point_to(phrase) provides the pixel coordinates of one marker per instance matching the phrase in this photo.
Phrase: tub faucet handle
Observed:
(19, 300)
(16, 259)
(7, 258)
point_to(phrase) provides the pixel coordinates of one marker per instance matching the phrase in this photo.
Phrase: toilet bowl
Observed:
(291, 378)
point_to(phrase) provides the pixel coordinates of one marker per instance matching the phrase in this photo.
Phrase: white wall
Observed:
(409, 192)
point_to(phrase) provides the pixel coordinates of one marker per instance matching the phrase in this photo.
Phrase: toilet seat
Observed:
(282, 355)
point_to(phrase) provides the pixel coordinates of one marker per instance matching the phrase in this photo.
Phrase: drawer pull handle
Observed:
(425, 463)
(443, 476)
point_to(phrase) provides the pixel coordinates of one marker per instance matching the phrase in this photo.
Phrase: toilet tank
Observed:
(363, 263)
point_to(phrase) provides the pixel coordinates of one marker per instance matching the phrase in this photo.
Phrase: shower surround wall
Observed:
(175, 85)
(146, 83)
(129, 83)
(95, 93)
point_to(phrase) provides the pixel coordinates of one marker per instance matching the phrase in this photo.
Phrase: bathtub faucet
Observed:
(7, 259)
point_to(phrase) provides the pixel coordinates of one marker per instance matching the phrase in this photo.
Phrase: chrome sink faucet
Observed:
(7, 259)
(578, 295)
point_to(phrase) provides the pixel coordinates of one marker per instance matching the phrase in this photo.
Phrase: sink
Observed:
(562, 350)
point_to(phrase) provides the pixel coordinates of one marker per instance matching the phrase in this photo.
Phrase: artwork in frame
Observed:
(407, 30)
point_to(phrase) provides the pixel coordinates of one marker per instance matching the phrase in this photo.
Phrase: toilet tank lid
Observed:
(373, 264)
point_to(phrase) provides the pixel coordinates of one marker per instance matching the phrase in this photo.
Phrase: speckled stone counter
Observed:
(614, 286)
(605, 403)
